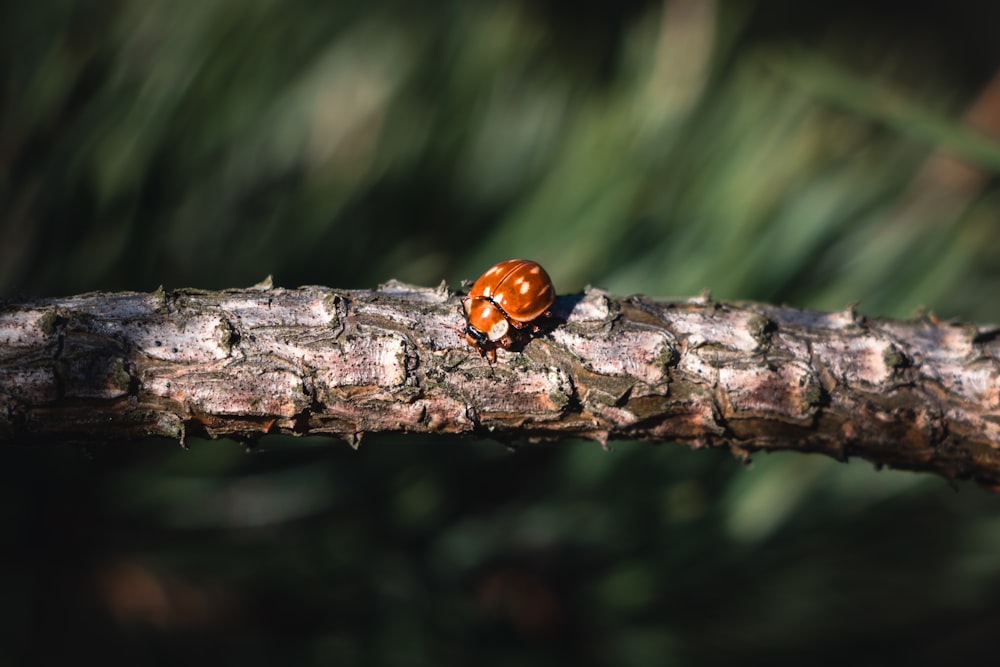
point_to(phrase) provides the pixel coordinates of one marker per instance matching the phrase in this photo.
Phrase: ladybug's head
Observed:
(486, 321)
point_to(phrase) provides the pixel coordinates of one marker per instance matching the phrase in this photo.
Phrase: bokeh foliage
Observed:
(820, 159)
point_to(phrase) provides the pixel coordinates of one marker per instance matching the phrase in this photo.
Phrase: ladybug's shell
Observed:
(520, 287)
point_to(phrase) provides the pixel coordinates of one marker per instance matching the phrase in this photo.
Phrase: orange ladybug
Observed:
(503, 302)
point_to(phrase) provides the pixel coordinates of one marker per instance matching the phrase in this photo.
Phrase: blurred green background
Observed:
(818, 158)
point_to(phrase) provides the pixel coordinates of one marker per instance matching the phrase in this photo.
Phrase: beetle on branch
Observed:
(920, 394)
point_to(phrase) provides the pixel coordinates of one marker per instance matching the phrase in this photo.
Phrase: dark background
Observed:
(815, 158)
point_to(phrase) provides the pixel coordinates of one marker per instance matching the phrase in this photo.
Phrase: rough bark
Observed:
(920, 394)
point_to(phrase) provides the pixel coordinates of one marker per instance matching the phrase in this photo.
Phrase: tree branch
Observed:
(920, 394)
